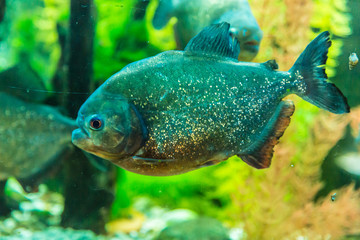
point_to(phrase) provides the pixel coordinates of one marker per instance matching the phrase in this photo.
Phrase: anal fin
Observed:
(260, 153)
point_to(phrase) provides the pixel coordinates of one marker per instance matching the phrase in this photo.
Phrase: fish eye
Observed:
(96, 123)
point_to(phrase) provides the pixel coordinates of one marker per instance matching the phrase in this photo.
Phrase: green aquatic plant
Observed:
(29, 34)
(182, 191)
(332, 15)
(113, 22)
(163, 39)
(121, 39)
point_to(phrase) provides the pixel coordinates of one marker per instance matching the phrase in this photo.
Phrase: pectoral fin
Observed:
(260, 153)
(152, 160)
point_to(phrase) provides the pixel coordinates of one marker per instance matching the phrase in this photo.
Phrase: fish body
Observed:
(31, 137)
(182, 110)
(193, 16)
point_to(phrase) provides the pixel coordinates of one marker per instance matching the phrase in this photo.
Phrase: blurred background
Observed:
(54, 53)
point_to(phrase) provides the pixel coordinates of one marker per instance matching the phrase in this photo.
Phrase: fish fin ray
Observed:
(259, 154)
(215, 40)
(309, 68)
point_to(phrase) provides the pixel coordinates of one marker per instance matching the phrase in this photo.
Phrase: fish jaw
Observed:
(245, 28)
(80, 139)
(249, 40)
(249, 50)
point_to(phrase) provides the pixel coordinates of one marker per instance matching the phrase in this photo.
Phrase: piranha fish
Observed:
(182, 110)
(32, 136)
(193, 16)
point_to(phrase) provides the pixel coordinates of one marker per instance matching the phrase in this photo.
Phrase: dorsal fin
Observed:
(260, 153)
(271, 64)
(215, 39)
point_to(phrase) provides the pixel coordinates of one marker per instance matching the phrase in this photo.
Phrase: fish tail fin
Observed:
(311, 80)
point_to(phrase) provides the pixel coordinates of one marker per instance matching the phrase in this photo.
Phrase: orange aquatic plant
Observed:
(278, 203)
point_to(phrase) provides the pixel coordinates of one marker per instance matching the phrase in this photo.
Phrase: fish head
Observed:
(109, 127)
(246, 30)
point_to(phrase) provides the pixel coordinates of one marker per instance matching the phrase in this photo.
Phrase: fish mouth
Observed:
(251, 46)
(80, 138)
(252, 43)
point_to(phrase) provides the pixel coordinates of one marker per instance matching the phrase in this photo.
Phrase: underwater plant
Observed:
(332, 15)
(280, 201)
(121, 39)
(277, 19)
(29, 34)
(303, 19)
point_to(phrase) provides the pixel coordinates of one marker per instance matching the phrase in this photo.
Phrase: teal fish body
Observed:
(193, 16)
(182, 110)
(32, 137)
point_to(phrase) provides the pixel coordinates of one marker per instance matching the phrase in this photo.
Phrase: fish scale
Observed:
(172, 121)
